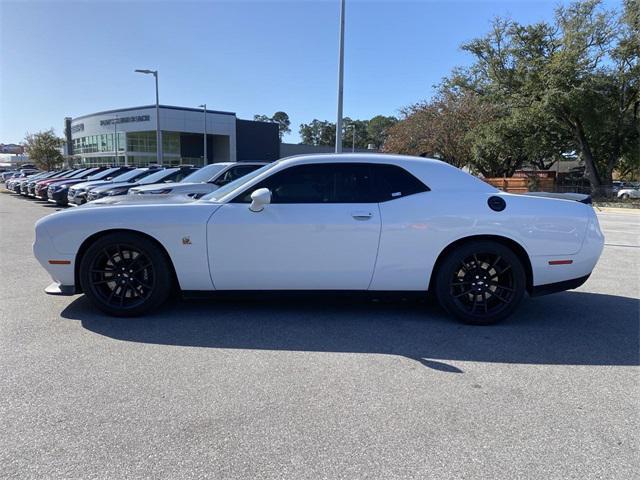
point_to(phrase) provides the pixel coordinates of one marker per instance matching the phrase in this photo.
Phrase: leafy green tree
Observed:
(364, 132)
(318, 132)
(573, 82)
(281, 118)
(43, 149)
(441, 127)
(357, 130)
(378, 129)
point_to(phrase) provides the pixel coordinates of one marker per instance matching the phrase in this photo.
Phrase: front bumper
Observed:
(57, 289)
(59, 197)
(76, 198)
(41, 193)
(61, 267)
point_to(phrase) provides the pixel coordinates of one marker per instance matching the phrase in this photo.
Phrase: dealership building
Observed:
(127, 136)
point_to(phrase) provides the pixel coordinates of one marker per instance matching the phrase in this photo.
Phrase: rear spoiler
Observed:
(577, 197)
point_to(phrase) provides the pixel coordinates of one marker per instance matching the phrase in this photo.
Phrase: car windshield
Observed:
(129, 175)
(102, 174)
(204, 174)
(78, 173)
(158, 176)
(218, 194)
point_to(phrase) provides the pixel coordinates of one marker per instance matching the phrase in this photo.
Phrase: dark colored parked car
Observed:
(30, 186)
(57, 192)
(78, 193)
(42, 186)
(173, 174)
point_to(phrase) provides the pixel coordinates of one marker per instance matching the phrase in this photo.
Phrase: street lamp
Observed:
(340, 80)
(115, 142)
(204, 109)
(353, 136)
(158, 131)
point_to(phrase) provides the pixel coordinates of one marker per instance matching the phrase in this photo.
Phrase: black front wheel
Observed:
(480, 282)
(125, 275)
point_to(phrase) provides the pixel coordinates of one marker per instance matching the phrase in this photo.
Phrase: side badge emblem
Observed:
(186, 240)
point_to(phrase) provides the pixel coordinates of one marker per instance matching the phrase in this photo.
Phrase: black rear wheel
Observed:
(125, 274)
(481, 282)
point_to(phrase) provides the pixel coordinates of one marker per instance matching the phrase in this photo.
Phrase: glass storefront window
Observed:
(135, 142)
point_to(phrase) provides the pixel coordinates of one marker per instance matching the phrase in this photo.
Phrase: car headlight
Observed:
(160, 191)
(118, 191)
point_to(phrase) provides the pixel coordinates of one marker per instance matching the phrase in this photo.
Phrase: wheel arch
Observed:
(508, 242)
(92, 238)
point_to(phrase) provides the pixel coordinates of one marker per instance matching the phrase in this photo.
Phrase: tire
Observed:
(624, 196)
(125, 275)
(480, 282)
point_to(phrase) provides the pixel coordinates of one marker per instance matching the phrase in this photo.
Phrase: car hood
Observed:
(139, 200)
(53, 180)
(159, 186)
(94, 183)
(109, 186)
(66, 182)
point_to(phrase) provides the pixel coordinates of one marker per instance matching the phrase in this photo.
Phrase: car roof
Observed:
(434, 173)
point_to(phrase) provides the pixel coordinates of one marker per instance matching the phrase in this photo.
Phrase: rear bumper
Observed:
(560, 270)
(556, 287)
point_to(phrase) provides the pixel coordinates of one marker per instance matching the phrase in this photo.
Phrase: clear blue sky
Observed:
(68, 58)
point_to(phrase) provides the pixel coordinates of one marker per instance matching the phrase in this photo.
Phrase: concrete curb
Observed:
(633, 211)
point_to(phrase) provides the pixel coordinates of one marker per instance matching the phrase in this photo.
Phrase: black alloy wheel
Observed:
(481, 282)
(125, 274)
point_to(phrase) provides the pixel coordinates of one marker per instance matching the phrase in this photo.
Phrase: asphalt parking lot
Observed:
(318, 389)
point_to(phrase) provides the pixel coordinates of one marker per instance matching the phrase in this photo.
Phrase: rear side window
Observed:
(392, 181)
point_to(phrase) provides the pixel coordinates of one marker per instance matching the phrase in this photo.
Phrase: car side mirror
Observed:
(259, 199)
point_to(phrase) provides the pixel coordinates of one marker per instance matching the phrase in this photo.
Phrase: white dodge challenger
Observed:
(351, 222)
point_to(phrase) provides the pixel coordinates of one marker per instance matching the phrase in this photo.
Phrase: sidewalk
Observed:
(631, 211)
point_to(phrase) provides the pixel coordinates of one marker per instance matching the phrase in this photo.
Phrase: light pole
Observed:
(204, 109)
(340, 80)
(158, 131)
(353, 137)
(115, 140)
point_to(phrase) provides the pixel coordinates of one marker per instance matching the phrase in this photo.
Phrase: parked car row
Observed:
(110, 185)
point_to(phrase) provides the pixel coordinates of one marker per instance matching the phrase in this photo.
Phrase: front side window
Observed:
(319, 183)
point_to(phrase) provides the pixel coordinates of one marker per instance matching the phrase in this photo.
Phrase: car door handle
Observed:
(361, 215)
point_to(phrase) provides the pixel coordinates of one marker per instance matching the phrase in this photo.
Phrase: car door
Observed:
(320, 231)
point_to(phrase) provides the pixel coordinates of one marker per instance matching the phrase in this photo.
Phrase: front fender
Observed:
(181, 229)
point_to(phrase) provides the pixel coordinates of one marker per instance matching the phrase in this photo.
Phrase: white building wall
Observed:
(144, 119)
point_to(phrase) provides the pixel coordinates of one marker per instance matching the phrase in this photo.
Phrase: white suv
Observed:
(202, 181)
